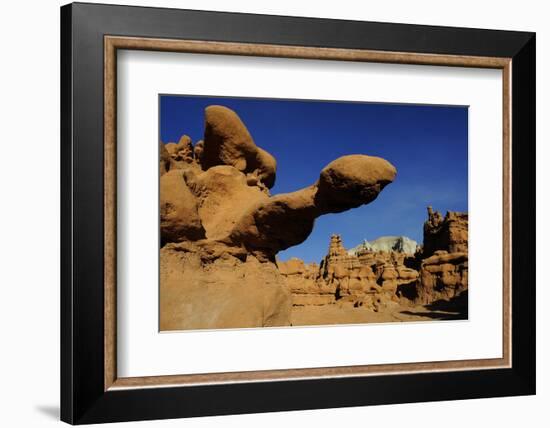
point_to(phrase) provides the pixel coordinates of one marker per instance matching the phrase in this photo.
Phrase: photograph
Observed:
(292, 212)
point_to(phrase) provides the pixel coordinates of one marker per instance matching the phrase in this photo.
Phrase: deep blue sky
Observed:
(427, 144)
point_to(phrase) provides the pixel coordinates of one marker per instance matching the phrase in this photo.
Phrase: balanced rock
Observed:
(284, 220)
(351, 181)
(221, 229)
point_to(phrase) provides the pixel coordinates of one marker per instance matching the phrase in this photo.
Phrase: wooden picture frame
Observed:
(91, 391)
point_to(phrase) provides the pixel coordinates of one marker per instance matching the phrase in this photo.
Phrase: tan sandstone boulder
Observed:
(222, 194)
(179, 216)
(182, 151)
(228, 142)
(164, 158)
(224, 293)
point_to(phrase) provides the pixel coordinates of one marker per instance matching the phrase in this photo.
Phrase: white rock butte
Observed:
(400, 244)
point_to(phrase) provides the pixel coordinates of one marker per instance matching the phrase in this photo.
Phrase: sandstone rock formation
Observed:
(444, 267)
(179, 215)
(228, 142)
(449, 233)
(182, 152)
(444, 276)
(368, 280)
(302, 281)
(379, 277)
(221, 229)
(272, 224)
(400, 244)
(226, 291)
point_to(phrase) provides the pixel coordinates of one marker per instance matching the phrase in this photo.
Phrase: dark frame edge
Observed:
(66, 304)
(524, 217)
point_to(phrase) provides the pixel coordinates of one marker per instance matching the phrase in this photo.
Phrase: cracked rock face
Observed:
(216, 211)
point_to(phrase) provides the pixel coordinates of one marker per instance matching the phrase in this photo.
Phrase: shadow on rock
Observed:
(454, 309)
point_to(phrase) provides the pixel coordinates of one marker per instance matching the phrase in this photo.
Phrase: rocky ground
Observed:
(334, 314)
(396, 283)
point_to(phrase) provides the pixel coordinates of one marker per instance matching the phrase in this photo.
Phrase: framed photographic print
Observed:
(265, 213)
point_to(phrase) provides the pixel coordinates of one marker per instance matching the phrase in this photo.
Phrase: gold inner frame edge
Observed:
(113, 43)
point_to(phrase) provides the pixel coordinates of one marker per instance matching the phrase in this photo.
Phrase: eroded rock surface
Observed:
(207, 290)
(369, 280)
(179, 215)
(444, 276)
(444, 268)
(221, 228)
(228, 142)
(380, 279)
(279, 222)
(449, 233)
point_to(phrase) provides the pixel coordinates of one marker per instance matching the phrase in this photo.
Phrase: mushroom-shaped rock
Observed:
(284, 220)
(228, 142)
(351, 181)
(221, 230)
